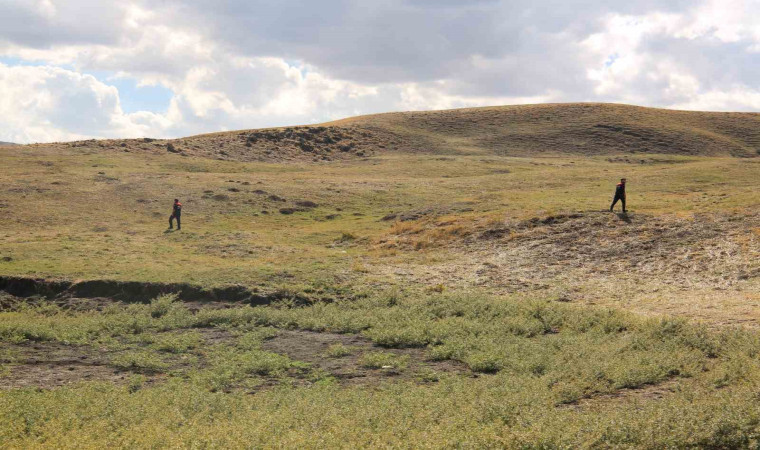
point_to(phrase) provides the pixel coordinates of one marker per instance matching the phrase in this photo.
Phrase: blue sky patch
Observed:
(141, 98)
(133, 98)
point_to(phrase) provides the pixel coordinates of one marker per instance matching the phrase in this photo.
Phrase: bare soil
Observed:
(136, 291)
(704, 266)
(701, 250)
(312, 347)
(47, 365)
(50, 364)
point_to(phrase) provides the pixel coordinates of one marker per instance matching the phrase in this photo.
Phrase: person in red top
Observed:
(619, 194)
(176, 214)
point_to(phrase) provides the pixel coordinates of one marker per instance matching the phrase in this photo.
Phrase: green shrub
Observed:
(161, 305)
(483, 362)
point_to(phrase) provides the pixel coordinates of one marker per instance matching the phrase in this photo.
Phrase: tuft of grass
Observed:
(177, 342)
(383, 360)
(139, 361)
(161, 305)
(136, 382)
(339, 350)
(484, 362)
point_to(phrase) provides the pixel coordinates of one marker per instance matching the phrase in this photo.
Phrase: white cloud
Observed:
(701, 58)
(240, 64)
(42, 104)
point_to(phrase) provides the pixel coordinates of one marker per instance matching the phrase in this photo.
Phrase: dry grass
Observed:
(580, 128)
(523, 130)
(67, 219)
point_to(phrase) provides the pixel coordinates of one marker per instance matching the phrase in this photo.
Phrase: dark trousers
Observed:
(617, 197)
(171, 219)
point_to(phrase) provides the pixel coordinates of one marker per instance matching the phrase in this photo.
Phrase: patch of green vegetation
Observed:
(485, 412)
(232, 366)
(577, 352)
(139, 361)
(339, 350)
(136, 382)
(177, 342)
(538, 355)
(252, 339)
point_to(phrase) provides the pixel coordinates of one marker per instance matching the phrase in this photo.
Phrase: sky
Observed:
(77, 69)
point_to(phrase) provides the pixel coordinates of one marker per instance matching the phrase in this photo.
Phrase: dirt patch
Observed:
(707, 250)
(644, 161)
(703, 266)
(703, 249)
(51, 364)
(10, 302)
(135, 291)
(427, 213)
(313, 348)
(45, 375)
(47, 365)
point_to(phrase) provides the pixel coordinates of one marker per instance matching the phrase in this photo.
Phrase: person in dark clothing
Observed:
(176, 214)
(619, 194)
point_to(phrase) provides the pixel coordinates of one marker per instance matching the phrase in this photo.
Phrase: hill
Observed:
(522, 130)
(7, 143)
(439, 291)
(576, 128)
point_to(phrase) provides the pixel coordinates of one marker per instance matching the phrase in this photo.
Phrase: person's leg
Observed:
(615, 200)
(179, 225)
(622, 200)
(171, 221)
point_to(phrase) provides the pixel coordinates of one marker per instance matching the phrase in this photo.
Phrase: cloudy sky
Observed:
(72, 69)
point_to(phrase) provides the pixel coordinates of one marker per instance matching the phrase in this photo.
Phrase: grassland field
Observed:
(454, 297)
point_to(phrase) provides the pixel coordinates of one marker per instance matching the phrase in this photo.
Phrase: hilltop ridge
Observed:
(520, 130)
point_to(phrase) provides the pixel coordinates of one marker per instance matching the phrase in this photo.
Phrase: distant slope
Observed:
(7, 143)
(522, 130)
(582, 128)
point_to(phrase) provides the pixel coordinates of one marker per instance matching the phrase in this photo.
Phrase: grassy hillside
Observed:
(523, 130)
(437, 279)
(581, 128)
